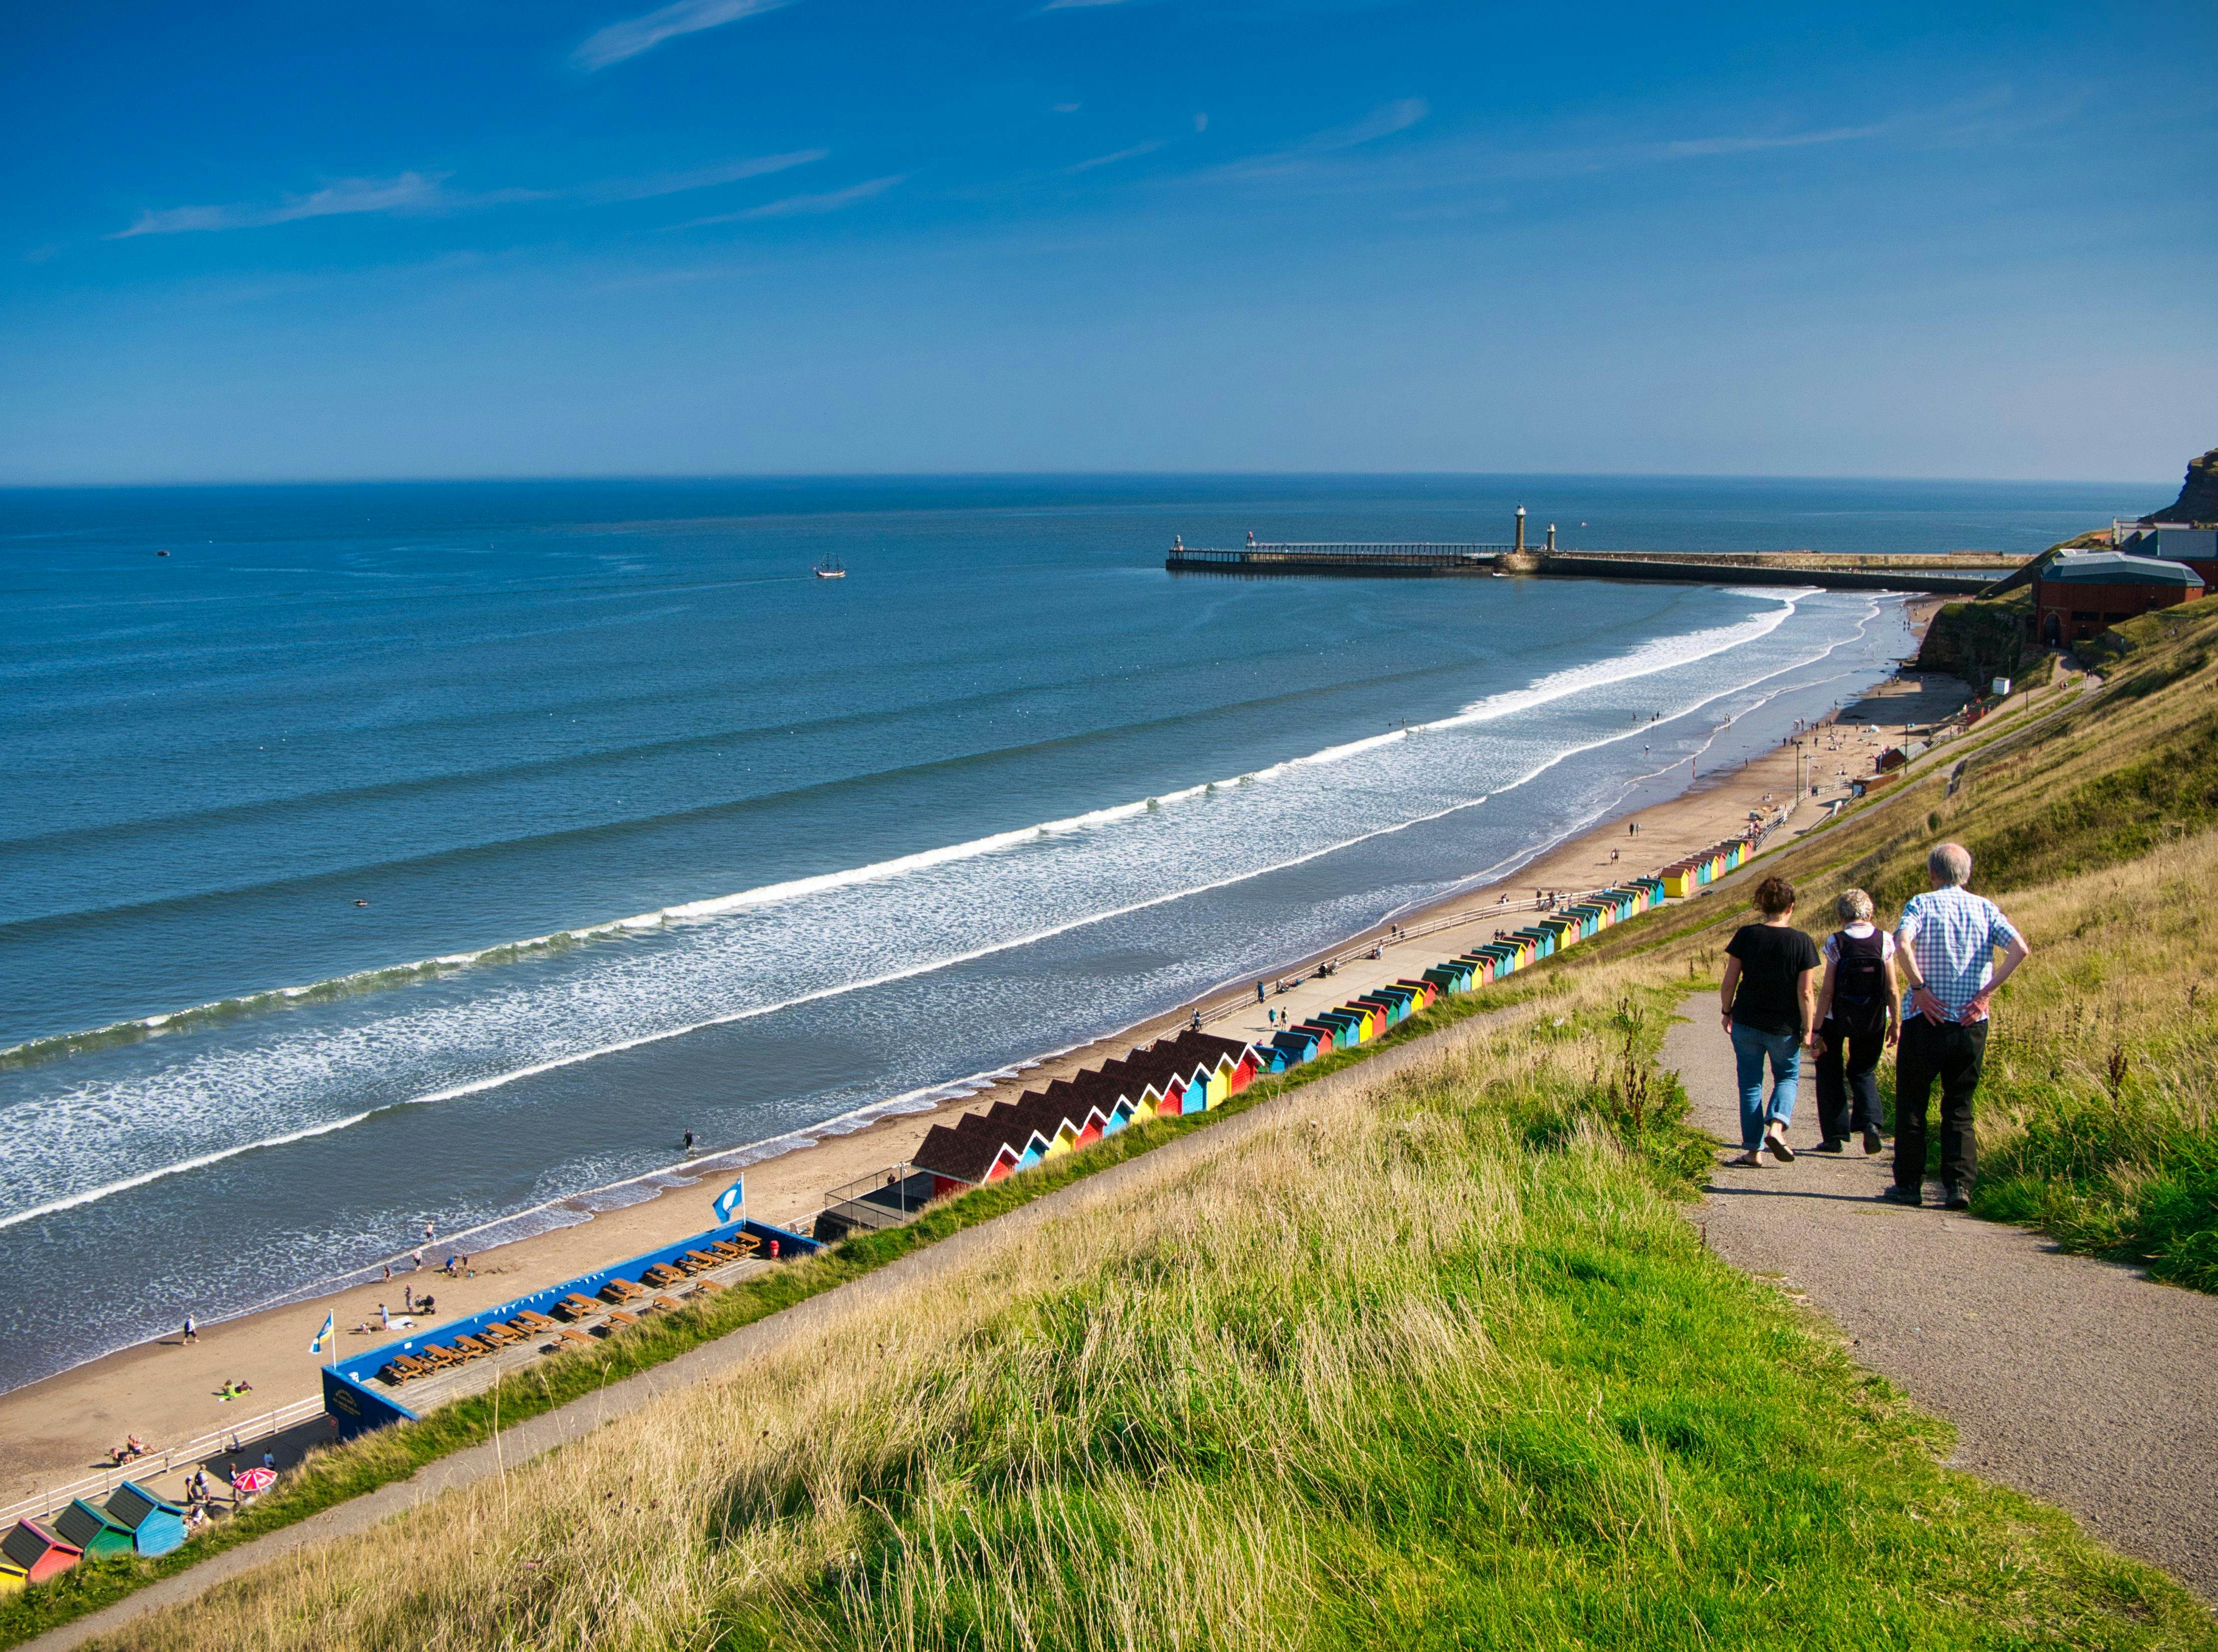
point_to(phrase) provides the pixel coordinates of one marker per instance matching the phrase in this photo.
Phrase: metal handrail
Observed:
(155, 1464)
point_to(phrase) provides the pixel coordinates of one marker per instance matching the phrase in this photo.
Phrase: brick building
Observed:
(2078, 594)
(2195, 547)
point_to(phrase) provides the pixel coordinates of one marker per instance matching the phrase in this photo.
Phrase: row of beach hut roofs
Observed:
(1197, 1071)
(135, 1521)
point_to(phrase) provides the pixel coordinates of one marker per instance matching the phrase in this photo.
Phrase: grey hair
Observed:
(1951, 863)
(1854, 906)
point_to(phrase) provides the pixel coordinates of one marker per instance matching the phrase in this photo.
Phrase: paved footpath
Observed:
(2080, 1382)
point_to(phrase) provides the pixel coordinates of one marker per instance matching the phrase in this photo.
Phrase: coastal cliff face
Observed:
(2198, 495)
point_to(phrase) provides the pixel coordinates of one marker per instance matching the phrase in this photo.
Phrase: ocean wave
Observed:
(1657, 655)
(221, 1090)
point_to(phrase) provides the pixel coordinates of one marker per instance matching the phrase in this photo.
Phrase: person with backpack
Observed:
(1858, 1019)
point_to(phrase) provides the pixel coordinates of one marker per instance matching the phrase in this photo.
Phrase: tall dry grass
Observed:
(1440, 1361)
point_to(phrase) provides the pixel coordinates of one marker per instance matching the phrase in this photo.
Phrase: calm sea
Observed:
(386, 853)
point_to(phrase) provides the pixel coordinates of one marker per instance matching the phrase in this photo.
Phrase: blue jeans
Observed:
(1750, 1049)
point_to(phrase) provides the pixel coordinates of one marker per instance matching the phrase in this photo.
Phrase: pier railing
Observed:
(154, 1464)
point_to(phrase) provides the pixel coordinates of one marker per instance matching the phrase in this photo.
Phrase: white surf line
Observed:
(908, 973)
(1523, 857)
(1642, 661)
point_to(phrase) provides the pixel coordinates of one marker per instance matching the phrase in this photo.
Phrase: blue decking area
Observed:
(356, 1402)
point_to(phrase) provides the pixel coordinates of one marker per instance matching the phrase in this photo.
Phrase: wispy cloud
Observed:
(1132, 154)
(705, 177)
(1611, 158)
(1382, 122)
(426, 195)
(409, 192)
(636, 34)
(831, 201)
(1683, 149)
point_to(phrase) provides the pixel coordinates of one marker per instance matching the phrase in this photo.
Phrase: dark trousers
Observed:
(1953, 1054)
(1848, 1081)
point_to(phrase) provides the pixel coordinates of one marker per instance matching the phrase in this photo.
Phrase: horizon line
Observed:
(533, 478)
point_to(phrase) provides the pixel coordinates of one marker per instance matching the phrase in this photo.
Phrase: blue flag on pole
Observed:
(324, 1338)
(729, 1201)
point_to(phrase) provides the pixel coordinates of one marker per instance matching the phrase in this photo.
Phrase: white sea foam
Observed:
(1658, 655)
(725, 960)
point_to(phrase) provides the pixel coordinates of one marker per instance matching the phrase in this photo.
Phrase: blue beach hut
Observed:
(157, 1526)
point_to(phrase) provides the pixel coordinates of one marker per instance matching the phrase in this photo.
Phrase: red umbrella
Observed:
(251, 1482)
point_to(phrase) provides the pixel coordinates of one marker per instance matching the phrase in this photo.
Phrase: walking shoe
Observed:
(1955, 1198)
(1872, 1143)
(1829, 1145)
(1913, 1196)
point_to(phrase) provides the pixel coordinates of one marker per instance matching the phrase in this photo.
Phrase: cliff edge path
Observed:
(2077, 1381)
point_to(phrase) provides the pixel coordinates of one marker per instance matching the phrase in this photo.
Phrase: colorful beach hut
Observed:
(38, 1553)
(157, 1524)
(92, 1530)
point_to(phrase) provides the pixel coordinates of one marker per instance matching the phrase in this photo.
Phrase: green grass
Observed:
(1439, 1365)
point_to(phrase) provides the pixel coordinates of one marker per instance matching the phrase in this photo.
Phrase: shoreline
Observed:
(57, 1428)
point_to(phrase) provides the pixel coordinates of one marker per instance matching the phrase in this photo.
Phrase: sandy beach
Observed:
(166, 1391)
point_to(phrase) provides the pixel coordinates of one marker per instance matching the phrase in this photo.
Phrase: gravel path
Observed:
(2080, 1382)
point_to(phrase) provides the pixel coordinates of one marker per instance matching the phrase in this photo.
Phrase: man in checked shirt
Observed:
(1946, 942)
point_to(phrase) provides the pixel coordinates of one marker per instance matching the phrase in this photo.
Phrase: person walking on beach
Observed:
(1946, 942)
(1767, 1003)
(192, 1329)
(1859, 1015)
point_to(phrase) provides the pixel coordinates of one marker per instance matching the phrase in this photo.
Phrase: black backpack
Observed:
(1859, 983)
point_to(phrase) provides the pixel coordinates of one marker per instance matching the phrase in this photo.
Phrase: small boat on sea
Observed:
(829, 568)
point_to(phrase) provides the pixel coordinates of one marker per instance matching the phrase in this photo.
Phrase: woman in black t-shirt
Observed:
(1768, 1004)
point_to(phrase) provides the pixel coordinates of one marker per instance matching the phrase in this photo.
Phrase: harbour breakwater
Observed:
(1963, 574)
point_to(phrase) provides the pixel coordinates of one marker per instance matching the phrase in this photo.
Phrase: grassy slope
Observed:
(1439, 1365)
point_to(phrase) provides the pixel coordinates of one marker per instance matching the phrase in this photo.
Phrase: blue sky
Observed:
(582, 236)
